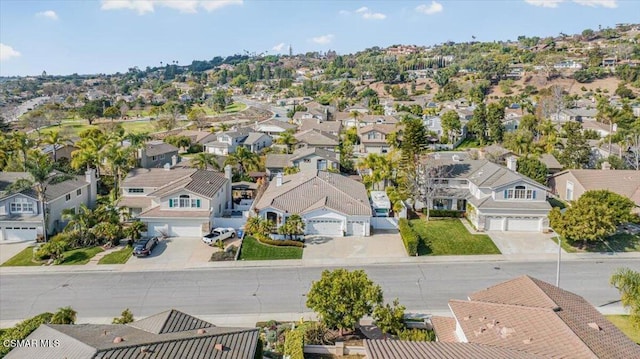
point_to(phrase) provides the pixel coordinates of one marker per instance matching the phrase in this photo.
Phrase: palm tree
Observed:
(54, 139)
(40, 168)
(80, 222)
(118, 162)
(356, 115)
(287, 138)
(204, 160)
(135, 229)
(137, 141)
(244, 159)
(64, 315)
(20, 142)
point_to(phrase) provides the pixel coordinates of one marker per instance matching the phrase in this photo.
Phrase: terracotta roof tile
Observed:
(400, 349)
(445, 329)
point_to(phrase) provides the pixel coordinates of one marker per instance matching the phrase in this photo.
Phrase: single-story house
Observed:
(167, 335)
(315, 138)
(569, 185)
(329, 203)
(177, 201)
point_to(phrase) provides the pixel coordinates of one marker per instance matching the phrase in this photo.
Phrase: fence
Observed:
(384, 222)
(232, 222)
(339, 349)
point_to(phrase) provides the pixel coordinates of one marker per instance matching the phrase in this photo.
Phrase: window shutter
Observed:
(534, 194)
(170, 203)
(505, 193)
(198, 201)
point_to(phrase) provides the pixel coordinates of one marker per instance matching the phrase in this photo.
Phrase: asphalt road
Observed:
(425, 287)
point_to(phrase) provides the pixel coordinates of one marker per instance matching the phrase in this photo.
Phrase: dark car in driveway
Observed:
(143, 247)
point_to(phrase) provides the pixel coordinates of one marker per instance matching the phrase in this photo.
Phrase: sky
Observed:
(108, 36)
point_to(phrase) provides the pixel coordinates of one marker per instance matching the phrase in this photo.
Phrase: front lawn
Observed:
(24, 258)
(620, 242)
(624, 324)
(118, 257)
(80, 256)
(469, 143)
(252, 250)
(440, 237)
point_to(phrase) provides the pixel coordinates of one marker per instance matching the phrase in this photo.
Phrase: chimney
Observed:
(512, 163)
(90, 177)
(606, 165)
(279, 179)
(174, 160)
(228, 174)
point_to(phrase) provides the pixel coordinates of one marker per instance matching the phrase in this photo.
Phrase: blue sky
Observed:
(107, 36)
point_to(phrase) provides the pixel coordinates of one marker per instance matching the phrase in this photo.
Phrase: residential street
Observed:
(250, 291)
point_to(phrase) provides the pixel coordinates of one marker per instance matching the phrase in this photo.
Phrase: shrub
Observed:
(22, 330)
(294, 344)
(417, 335)
(409, 237)
(442, 213)
(279, 243)
(52, 249)
(316, 333)
(125, 317)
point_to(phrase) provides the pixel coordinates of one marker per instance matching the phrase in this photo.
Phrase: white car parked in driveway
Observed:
(218, 234)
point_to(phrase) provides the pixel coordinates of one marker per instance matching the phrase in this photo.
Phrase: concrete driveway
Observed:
(173, 253)
(8, 250)
(379, 245)
(524, 242)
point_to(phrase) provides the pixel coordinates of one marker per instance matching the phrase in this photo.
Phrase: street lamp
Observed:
(558, 266)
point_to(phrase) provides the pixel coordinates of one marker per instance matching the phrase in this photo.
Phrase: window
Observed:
(22, 205)
(79, 192)
(67, 197)
(184, 201)
(307, 160)
(136, 190)
(519, 192)
(569, 191)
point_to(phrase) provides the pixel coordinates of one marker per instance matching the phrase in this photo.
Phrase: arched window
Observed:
(185, 200)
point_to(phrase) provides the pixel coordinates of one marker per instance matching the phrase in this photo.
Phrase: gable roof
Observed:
(277, 160)
(203, 182)
(317, 138)
(307, 190)
(530, 315)
(482, 173)
(273, 122)
(623, 182)
(155, 148)
(382, 128)
(326, 126)
(304, 152)
(403, 349)
(54, 190)
(254, 137)
(167, 335)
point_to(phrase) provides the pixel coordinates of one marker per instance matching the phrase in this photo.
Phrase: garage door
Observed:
(186, 231)
(20, 233)
(523, 224)
(156, 229)
(355, 228)
(325, 227)
(494, 223)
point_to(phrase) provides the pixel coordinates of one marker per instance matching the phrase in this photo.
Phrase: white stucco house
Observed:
(495, 198)
(21, 216)
(177, 201)
(329, 203)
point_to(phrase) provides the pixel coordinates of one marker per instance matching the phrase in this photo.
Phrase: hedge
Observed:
(22, 330)
(279, 243)
(294, 344)
(444, 213)
(409, 237)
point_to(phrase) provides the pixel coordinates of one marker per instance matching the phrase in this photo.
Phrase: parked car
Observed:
(218, 234)
(143, 247)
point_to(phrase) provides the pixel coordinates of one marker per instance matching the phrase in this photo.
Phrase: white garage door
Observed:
(325, 227)
(20, 233)
(494, 223)
(523, 224)
(186, 231)
(156, 229)
(355, 228)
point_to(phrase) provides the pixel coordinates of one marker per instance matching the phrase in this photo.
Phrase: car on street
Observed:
(144, 247)
(218, 234)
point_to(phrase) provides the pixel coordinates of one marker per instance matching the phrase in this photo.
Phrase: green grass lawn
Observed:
(253, 250)
(620, 242)
(24, 258)
(80, 256)
(624, 324)
(235, 107)
(118, 257)
(469, 143)
(74, 127)
(449, 236)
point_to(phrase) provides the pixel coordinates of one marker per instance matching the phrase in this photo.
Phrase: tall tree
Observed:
(576, 153)
(478, 124)
(244, 159)
(627, 281)
(414, 140)
(54, 139)
(533, 168)
(451, 125)
(203, 161)
(288, 139)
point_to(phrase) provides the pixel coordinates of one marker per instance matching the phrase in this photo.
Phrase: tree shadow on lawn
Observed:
(620, 242)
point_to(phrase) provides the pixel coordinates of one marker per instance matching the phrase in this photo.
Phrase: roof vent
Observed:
(105, 332)
(117, 340)
(595, 326)
(201, 331)
(144, 350)
(467, 317)
(482, 318)
(506, 332)
(219, 347)
(528, 341)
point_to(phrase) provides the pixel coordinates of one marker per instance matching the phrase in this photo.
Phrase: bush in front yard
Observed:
(294, 344)
(279, 243)
(409, 237)
(22, 330)
(446, 213)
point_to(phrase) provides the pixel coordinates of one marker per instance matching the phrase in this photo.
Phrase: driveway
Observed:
(379, 245)
(8, 250)
(173, 253)
(524, 242)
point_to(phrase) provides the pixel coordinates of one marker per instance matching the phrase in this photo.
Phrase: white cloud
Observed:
(544, 3)
(7, 52)
(367, 14)
(278, 47)
(433, 8)
(49, 14)
(185, 6)
(611, 4)
(344, 12)
(323, 39)
(362, 9)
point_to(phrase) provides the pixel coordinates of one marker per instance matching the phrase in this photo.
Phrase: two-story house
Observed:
(156, 154)
(176, 201)
(21, 213)
(274, 127)
(304, 159)
(494, 197)
(227, 142)
(373, 138)
(315, 138)
(332, 127)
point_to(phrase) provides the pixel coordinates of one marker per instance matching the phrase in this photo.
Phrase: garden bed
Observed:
(254, 250)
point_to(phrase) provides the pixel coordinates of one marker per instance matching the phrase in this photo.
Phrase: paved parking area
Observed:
(524, 242)
(8, 250)
(379, 245)
(173, 253)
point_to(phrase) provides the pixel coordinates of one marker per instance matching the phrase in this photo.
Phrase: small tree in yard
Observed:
(429, 173)
(293, 226)
(533, 168)
(64, 315)
(390, 318)
(341, 298)
(125, 317)
(135, 229)
(627, 281)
